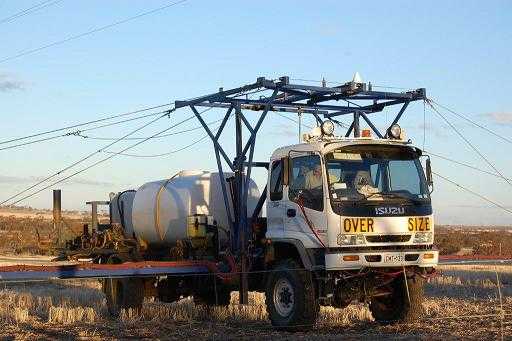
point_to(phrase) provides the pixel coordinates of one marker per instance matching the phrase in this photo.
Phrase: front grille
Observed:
(411, 257)
(368, 248)
(393, 238)
(373, 258)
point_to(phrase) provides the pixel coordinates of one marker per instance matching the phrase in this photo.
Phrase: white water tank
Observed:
(161, 208)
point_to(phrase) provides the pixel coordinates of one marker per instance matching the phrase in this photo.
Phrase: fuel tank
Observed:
(161, 208)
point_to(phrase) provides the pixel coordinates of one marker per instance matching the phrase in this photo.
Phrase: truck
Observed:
(347, 218)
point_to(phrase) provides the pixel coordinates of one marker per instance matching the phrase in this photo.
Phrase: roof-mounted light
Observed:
(395, 131)
(327, 128)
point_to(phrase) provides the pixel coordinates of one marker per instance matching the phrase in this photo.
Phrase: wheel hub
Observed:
(283, 297)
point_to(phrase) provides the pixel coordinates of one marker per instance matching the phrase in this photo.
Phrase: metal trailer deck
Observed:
(89, 270)
(14, 273)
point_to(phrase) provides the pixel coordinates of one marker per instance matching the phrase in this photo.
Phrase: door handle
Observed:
(291, 212)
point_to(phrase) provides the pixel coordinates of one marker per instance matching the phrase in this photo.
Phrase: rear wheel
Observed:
(403, 304)
(290, 297)
(125, 293)
(122, 293)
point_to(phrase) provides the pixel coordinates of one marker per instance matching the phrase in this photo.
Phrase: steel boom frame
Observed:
(284, 97)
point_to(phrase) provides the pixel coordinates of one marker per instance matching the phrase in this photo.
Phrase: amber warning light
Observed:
(366, 133)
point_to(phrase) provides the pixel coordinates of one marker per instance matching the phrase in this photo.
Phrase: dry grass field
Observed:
(461, 303)
(31, 232)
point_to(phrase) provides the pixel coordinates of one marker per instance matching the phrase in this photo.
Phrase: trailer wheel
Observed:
(290, 297)
(399, 306)
(168, 291)
(126, 293)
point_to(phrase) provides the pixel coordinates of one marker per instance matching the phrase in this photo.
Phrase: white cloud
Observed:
(10, 83)
(500, 117)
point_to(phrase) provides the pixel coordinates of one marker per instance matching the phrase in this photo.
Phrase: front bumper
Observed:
(380, 259)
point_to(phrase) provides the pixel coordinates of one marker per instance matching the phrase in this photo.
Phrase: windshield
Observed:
(376, 173)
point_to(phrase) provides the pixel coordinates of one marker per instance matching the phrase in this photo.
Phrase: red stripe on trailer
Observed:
(90, 270)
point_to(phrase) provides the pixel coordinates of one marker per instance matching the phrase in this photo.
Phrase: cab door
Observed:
(275, 202)
(306, 198)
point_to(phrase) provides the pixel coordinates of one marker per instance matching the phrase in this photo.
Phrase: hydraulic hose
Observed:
(308, 222)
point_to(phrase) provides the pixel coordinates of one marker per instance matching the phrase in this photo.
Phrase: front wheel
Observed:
(403, 304)
(290, 297)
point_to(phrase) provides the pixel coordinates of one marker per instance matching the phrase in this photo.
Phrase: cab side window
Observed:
(306, 182)
(276, 181)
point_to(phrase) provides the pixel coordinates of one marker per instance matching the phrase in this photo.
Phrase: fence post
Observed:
(502, 311)
(57, 215)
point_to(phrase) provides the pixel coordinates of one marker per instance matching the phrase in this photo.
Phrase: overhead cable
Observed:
(469, 143)
(83, 124)
(100, 161)
(463, 164)
(98, 29)
(293, 120)
(474, 193)
(170, 152)
(159, 155)
(471, 121)
(79, 132)
(36, 141)
(142, 137)
(29, 10)
(83, 159)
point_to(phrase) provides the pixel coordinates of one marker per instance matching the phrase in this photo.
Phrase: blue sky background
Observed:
(459, 51)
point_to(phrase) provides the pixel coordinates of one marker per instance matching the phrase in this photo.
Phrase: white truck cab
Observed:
(352, 208)
(367, 202)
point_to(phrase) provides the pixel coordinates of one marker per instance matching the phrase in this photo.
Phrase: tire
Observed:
(400, 306)
(126, 293)
(290, 297)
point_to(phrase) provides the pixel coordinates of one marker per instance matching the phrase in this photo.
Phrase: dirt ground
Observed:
(207, 330)
(463, 303)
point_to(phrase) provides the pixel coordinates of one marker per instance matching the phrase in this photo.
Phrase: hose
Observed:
(121, 210)
(161, 233)
(310, 225)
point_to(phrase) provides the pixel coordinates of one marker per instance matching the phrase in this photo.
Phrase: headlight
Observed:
(422, 237)
(351, 239)
(327, 127)
(395, 131)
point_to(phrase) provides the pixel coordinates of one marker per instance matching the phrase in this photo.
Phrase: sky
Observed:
(460, 53)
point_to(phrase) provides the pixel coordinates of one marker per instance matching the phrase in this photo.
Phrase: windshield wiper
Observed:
(391, 195)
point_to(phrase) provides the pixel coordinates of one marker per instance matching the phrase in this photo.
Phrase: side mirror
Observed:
(428, 173)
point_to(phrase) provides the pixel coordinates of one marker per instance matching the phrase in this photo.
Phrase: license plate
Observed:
(393, 258)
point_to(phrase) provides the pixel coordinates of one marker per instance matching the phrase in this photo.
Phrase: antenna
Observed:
(299, 113)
